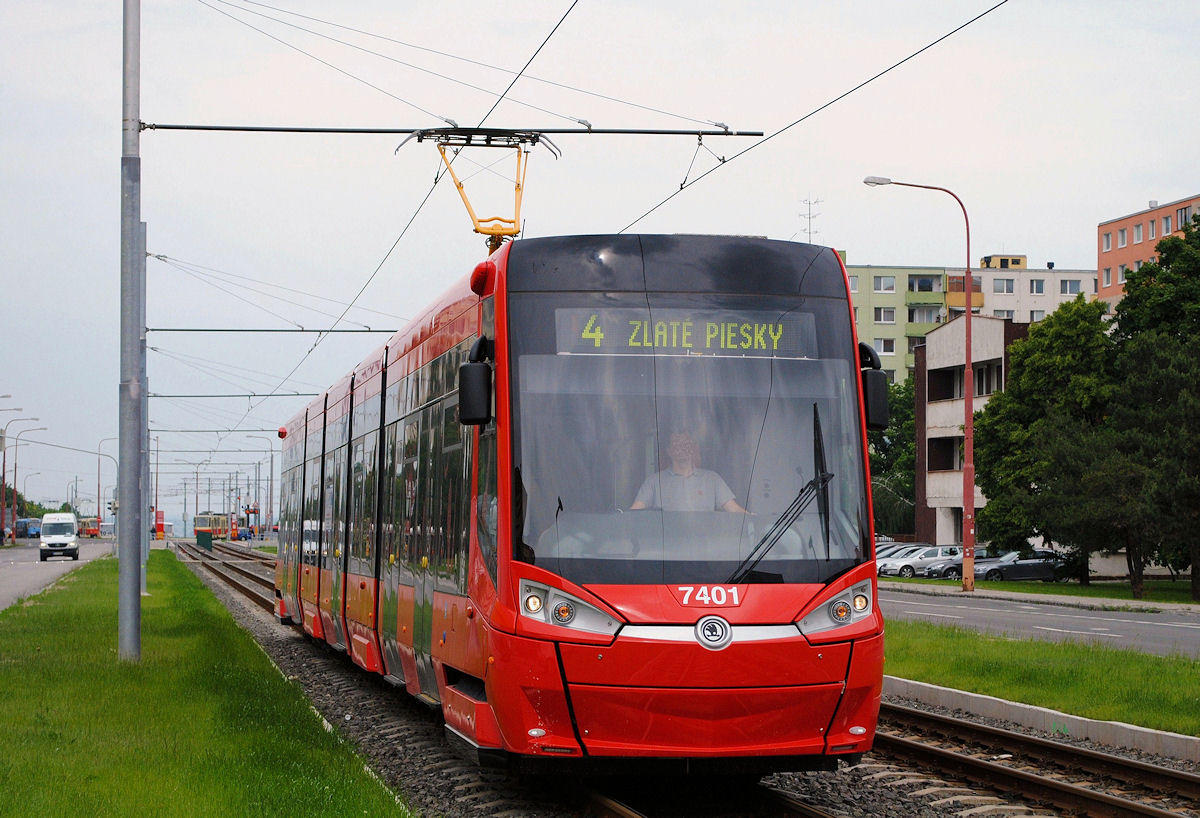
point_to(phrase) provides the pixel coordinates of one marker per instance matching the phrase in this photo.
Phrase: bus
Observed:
(607, 502)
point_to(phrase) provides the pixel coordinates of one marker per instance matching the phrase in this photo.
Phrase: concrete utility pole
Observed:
(131, 392)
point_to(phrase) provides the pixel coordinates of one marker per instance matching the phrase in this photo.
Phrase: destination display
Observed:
(631, 331)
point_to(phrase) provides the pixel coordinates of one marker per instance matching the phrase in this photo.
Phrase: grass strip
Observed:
(1155, 590)
(1097, 682)
(202, 725)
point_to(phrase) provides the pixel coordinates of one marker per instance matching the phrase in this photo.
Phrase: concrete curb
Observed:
(1172, 745)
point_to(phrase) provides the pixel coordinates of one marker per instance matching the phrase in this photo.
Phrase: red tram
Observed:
(607, 502)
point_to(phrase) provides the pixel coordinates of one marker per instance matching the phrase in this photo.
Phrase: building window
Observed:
(885, 315)
(1108, 276)
(1037, 286)
(924, 315)
(890, 374)
(1003, 314)
(885, 346)
(1182, 216)
(1003, 285)
(1150, 224)
(1166, 225)
(885, 284)
(1107, 242)
(1137, 234)
(1037, 315)
(1121, 242)
(853, 284)
(856, 315)
(1069, 286)
(915, 341)
(924, 284)
(1121, 274)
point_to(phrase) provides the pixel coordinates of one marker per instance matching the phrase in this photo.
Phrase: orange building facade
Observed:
(1127, 243)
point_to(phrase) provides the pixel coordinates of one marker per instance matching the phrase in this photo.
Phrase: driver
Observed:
(684, 486)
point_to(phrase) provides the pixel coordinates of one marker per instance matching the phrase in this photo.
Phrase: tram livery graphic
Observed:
(606, 503)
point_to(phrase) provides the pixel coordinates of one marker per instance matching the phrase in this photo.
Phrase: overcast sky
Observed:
(1044, 117)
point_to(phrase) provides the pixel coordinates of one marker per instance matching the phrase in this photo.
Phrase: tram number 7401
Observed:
(709, 595)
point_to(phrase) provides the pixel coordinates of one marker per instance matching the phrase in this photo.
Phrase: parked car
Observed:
(952, 568)
(910, 562)
(889, 549)
(1041, 564)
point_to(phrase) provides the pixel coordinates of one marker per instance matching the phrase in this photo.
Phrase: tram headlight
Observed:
(846, 608)
(564, 612)
(534, 601)
(551, 606)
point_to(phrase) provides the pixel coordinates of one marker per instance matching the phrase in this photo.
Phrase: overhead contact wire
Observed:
(814, 112)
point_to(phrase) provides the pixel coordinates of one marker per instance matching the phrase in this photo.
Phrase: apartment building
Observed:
(1128, 242)
(896, 307)
(940, 409)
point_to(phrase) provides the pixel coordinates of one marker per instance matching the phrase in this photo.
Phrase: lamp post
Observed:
(968, 512)
(25, 489)
(4, 468)
(14, 491)
(270, 480)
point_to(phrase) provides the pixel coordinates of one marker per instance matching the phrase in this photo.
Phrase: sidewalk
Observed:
(1063, 600)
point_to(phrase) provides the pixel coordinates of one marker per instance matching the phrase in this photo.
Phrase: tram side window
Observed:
(486, 501)
(454, 459)
(407, 512)
(362, 505)
(312, 512)
(388, 517)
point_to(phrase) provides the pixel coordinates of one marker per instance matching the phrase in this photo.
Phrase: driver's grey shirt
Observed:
(702, 490)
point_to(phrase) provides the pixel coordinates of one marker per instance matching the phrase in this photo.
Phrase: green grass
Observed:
(1161, 693)
(1156, 590)
(202, 725)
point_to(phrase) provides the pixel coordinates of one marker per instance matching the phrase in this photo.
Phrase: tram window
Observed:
(486, 501)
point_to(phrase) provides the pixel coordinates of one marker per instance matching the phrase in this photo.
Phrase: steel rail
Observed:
(1060, 754)
(1025, 785)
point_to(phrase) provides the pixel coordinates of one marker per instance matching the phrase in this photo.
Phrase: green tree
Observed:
(894, 463)
(1158, 338)
(1064, 369)
(1164, 296)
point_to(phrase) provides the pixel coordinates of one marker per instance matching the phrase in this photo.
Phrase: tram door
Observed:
(423, 555)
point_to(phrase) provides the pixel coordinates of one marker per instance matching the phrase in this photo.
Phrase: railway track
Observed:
(1036, 770)
(652, 800)
(1055, 776)
(239, 568)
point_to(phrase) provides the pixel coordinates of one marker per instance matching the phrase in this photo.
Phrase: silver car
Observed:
(913, 562)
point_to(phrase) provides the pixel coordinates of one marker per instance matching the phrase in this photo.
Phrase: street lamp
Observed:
(968, 515)
(4, 471)
(25, 489)
(15, 454)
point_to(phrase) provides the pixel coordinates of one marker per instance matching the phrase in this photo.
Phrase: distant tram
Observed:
(606, 504)
(215, 524)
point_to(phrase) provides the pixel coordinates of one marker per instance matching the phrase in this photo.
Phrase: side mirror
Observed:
(875, 388)
(475, 386)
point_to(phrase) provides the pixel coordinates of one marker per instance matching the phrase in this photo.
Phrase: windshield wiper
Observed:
(815, 489)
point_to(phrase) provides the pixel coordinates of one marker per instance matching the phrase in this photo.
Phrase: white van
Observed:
(59, 536)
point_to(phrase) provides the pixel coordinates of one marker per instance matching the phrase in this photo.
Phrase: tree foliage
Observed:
(894, 463)
(1063, 370)
(1095, 443)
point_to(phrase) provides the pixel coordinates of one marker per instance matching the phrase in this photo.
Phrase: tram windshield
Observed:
(686, 438)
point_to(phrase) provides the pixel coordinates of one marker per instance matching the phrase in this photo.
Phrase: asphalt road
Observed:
(1166, 630)
(22, 575)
